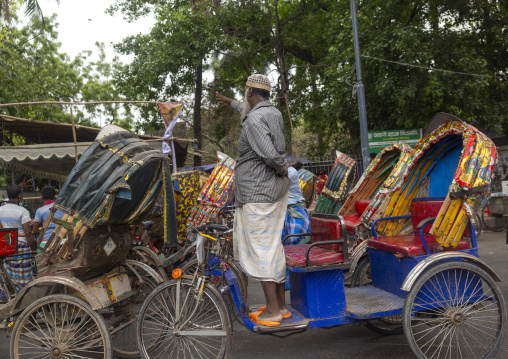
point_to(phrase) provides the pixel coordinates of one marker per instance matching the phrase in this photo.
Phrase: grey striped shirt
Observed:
(261, 171)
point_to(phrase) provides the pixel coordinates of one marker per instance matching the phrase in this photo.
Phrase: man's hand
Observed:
(223, 100)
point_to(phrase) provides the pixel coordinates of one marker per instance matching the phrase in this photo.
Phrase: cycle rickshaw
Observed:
(424, 260)
(87, 293)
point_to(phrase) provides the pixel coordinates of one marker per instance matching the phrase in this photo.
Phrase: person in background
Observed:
(48, 195)
(297, 218)
(322, 178)
(13, 215)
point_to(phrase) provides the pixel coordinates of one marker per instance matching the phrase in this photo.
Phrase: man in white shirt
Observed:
(12, 215)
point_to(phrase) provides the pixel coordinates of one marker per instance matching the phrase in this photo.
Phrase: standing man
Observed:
(262, 190)
(12, 215)
(48, 195)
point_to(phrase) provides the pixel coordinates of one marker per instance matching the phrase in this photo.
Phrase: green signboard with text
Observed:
(380, 139)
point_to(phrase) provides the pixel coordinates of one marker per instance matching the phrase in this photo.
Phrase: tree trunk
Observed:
(197, 111)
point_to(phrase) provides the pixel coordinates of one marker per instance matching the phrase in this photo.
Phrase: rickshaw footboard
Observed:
(369, 302)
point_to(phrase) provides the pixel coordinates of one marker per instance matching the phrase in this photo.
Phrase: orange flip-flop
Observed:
(285, 316)
(266, 323)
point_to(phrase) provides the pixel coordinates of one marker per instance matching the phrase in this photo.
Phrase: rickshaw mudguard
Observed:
(441, 257)
(357, 254)
(73, 283)
(152, 272)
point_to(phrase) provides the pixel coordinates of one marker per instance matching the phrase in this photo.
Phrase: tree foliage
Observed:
(34, 69)
(418, 58)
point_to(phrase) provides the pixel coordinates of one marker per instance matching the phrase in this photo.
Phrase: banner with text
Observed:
(380, 139)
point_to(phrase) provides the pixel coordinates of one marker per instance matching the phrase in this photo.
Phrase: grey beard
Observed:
(246, 106)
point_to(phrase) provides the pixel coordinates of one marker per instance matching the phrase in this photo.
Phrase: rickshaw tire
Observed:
(385, 328)
(492, 228)
(428, 274)
(212, 293)
(239, 275)
(56, 298)
(162, 272)
(479, 227)
(119, 350)
(362, 265)
(243, 278)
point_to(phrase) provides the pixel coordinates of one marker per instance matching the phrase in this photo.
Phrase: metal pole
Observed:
(175, 169)
(74, 137)
(364, 131)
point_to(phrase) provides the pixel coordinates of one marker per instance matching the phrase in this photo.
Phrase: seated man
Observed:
(12, 215)
(48, 195)
(297, 218)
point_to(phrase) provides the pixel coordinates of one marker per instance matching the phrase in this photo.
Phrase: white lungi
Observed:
(256, 239)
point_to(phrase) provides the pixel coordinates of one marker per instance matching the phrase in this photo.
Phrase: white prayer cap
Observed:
(259, 81)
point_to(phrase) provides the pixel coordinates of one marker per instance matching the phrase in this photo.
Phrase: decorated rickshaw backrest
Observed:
(342, 178)
(455, 160)
(385, 167)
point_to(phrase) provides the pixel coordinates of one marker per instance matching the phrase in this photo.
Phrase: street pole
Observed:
(364, 131)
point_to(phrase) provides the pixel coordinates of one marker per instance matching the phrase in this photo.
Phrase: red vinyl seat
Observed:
(411, 244)
(351, 220)
(295, 256)
(361, 206)
(323, 229)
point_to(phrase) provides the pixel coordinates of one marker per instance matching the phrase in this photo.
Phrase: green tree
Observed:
(34, 70)
(308, 45)
(169, 60)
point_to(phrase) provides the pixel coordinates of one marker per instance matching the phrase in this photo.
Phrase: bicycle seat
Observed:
(147, 224)
(214, 226)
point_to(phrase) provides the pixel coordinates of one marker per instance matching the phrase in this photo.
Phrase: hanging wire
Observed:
(424, 67)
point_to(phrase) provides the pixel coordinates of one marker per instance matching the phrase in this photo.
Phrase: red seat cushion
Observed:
(326, 229)
(295, 256)
(423, 209)
(411, 244)
(361, 206)
(351, 221)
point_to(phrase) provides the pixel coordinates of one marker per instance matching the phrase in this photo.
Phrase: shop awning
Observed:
(45, 161)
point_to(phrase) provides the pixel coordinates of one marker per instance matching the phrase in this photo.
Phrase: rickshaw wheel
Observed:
(124, 341)
(143, 257)
(454, 310)
(191, 266)
(60, 326)
(389, 325)
(173, 304)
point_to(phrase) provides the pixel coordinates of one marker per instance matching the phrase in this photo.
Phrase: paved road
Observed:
(339, 342)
